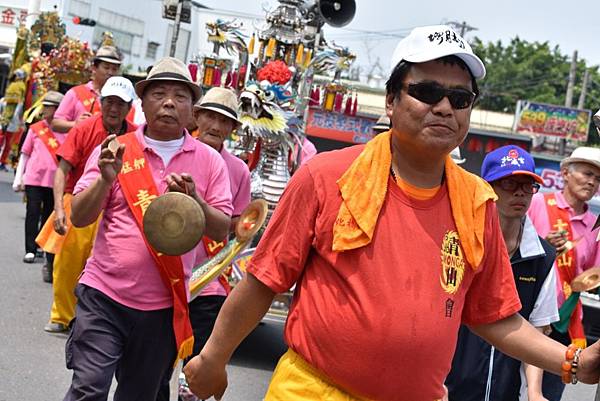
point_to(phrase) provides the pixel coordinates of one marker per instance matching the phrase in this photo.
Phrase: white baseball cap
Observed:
(428, 43)
(120, 87)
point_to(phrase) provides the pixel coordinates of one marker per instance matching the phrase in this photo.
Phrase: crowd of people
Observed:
(414, 279)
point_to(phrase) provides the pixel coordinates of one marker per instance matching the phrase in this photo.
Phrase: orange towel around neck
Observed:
(363, 188)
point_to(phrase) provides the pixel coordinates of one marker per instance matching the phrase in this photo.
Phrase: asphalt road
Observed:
(32, 362)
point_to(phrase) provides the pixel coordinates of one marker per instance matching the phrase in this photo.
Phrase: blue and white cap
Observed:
(508, 160)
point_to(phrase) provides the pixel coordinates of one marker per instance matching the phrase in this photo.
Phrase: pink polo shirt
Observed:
(586, 251)
(121, 265)
(239, 178)
(41, 166)
(70, 107)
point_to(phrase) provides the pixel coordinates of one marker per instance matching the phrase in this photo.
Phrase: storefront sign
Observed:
(557, 121)
(339, 127)
(12, 15)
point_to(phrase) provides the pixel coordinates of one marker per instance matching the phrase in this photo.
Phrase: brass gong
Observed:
(174, 223)
(251, 220)
(588, 280)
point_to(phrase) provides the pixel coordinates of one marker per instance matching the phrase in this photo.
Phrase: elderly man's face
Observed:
(430, 129)
(114, 111)
(581, 180)
(167, 106)
(213, 127)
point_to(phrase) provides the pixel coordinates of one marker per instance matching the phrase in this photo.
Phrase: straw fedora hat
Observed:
(583, 154)
(52, 98)
(108, 54)
(169, 69)
(220, 100)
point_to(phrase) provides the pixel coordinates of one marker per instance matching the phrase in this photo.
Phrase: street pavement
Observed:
(32, 364)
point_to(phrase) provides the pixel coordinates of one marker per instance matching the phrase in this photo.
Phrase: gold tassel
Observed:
(308, 58)
(251, 45)
(300, 54)
(270, 48)
(185, 350)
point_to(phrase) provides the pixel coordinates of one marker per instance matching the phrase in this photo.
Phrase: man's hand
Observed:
(110, 163)
(83, 117)
(182, 183)
(589, 364)
(558, 239)
(206, 378)
(18, 187)
(60, 220)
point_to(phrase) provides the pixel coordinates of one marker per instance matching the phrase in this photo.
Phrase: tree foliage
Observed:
(534, 71)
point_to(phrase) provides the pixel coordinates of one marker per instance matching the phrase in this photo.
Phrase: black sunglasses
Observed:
(432, 93)
(511, 185)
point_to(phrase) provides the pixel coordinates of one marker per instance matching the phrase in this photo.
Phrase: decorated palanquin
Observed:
(50, 58)
(273, 72)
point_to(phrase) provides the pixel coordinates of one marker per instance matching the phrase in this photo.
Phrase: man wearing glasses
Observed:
(479, 371)
(564, 219)
(392, 246)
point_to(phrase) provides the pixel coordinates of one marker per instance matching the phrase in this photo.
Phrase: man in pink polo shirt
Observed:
(83, 101)
(216, 117)
(564, 219)
(35, 176)
(128, 314)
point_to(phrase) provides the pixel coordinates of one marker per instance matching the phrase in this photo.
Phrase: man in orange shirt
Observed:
(72, 245)
(392, 246)
(83, 101)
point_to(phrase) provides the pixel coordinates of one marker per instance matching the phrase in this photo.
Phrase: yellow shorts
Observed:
(295, 380)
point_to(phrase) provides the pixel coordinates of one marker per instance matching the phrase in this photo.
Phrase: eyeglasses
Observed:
(512, 185)
(432, 93)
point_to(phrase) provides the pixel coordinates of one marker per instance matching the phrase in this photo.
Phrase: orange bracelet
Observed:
(570, 365)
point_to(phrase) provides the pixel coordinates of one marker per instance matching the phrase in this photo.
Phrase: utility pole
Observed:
(462, 26)
(571, 84)
(176, 29)
(562, 144)
(584, 87)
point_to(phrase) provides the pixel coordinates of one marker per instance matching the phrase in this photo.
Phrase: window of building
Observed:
(121, 22)
(80, 8)
(151, 50)
(123, 40)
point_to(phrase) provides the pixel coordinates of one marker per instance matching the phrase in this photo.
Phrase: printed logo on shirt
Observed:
(453, 263)
(530, 279)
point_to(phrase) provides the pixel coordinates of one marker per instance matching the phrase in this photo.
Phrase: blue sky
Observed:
(572, 25)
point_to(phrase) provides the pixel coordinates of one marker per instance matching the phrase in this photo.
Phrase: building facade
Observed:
(139, 30)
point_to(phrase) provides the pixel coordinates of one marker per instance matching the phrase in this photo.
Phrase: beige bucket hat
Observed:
(583, 154)
(220, 100)
(52, 98)
(108, 54)
(169, 69)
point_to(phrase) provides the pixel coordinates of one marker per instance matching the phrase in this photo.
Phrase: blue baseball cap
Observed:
(508, 160)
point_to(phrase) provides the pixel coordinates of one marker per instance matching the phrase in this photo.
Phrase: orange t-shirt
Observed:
(380, 321)
(81, 140)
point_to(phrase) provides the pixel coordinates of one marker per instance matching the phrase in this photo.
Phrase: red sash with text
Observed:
(140, 189)
(88, 98)
(213, 247)
(45, 134)
(560, 221)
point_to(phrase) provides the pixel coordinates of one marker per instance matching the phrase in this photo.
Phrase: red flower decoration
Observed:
(276, 72)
